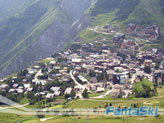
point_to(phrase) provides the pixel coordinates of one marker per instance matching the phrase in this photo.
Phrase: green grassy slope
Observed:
(121, 12)
(144, 12)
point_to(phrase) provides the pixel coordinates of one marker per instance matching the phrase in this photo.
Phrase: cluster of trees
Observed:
(13, 97)
(147, 69)
(72, 95)
(85, 93)
(144, 89)
(100, 76)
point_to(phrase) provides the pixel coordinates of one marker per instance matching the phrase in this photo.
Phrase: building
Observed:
(68, 91)
(131, 28)
(3, 87)
(50, 96)
(152, 31)
(100, 89)
(77, 61)
(121, 78)
(82, 79)
(158, 77)
(119, 38)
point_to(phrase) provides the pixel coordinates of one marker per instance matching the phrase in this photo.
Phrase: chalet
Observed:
(36, 67)
(57, 67)
(50, 96)
(162, 65)
(12, 90)
(55, 89)
(24, 80)
(131, 28)
(148, 62)
(139, 75)
(3, 80)
(20, 87)
(108, 26)
(26, 86)
(100, 89)
(119, 38)
(77, 61)
(76, 88)
(115, 93)
(15, 86)
(158, 77)
(73, 56)
(29, 89)
(51, 76)
(93, 80)
(126, 93)
(68, 91)
(14, 78)
(3, 87)
(152, 31)
(31, 71)
(84, 81)
(128, 50)
(106, 52)
(110, 74)
(92, 87)
(52, 62)
(20, 91)
(57, 93)
(50, 58)
(121, 78)
(66, 78)
(127, 43)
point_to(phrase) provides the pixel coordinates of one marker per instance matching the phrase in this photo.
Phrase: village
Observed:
(93, 68)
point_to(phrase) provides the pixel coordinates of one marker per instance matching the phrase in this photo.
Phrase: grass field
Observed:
(90, 36)
(10, 118)
(95, 103)
(99, 119)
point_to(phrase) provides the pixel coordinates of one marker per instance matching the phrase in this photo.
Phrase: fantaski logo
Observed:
(142, 111)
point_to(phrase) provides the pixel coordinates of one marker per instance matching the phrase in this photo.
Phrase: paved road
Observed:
(98, 31)
(82, 87)
(102, 96)
(43, 82)
(18, 106)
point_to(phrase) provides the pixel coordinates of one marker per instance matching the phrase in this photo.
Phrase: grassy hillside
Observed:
(41, 25)
(121, 12)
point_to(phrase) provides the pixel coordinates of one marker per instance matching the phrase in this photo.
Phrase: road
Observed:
(43, 82)
(18, 106)
(102, 96)
(104, 33)
(82, 87)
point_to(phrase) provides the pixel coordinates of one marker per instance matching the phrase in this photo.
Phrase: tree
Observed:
(85, 93)
(92, 73)
(144, 89)
(40, 115)
(147, 69)
(73, 94)
(100, 77)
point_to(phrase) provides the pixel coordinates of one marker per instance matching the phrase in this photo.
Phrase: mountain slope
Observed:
(34, 35)
(121, 12)
(124, 11)
(37, 32)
